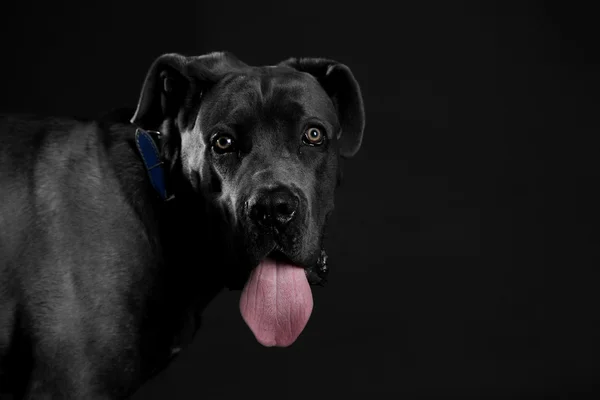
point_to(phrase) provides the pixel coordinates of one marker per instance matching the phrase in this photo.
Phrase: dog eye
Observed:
(313, 136)
(223, 143)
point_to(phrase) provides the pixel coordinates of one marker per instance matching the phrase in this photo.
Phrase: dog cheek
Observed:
(324, 203)
(309, 232)
(326, 175)
(192, 154)
(229, 202)
(310, 243)
(320, 190)
(212, 179)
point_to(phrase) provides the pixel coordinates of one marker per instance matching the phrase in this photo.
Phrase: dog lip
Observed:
(278, 255)
(315, 274)
(315, 278)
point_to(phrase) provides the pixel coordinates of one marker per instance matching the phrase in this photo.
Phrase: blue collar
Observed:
(148, 149)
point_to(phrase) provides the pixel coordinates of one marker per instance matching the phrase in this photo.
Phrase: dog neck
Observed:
(180, 228)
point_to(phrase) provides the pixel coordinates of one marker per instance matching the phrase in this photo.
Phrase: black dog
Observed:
(112, 232)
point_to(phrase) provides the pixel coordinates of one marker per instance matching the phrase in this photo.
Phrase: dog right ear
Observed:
(175, 83)
(164, 91)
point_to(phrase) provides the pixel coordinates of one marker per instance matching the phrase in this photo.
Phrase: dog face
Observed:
(269, 150)
(261, 145)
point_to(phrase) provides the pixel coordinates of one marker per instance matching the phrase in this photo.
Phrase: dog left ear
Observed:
(341, 86)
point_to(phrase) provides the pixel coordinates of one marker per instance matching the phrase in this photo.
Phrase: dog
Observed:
(115, 233)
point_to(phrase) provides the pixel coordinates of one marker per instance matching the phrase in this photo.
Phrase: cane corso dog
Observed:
(115, 233)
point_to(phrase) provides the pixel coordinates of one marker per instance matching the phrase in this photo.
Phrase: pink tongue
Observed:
(276, 303)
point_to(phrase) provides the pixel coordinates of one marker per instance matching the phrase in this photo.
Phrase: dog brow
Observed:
(240, 116)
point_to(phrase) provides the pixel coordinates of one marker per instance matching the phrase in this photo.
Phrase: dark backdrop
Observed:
(465, 249)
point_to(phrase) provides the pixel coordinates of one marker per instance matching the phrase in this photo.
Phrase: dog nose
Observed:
(274, 208)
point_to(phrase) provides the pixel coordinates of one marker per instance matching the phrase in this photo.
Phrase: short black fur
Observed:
(100, 280)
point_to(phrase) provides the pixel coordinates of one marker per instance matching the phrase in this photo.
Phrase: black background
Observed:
(465, 249)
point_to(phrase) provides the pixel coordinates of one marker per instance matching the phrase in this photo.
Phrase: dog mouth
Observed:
(316, 273)
(276, 301)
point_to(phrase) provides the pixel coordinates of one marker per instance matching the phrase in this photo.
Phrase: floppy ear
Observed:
(175, 82)
(340, 84)
(163, 92)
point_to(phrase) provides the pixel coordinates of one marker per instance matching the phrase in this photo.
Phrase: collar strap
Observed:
(148, 149)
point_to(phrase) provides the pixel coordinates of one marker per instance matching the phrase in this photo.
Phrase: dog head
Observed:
(261, 145)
